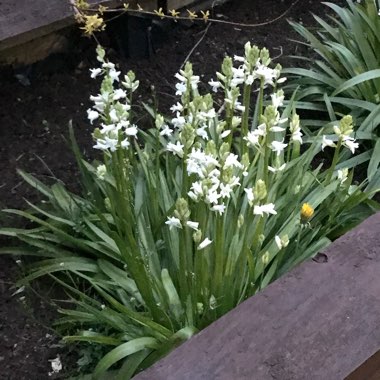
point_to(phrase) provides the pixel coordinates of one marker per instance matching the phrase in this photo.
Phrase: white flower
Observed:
(201, 132)
(131, 131)
(166, 131)
(212, 196)
(350, 143)
(327, 142)
(108, 65)
(239, 58)
(179, 121)
(232, 161)
(265, 73)
(225, 190)
(113, 116)
(92, 115)
(210, 114)
(175, 148)
(215, 85)
(224, 134)
(277, 100)
(204, 244)
(192, 225)
(125, 143)
(249, 80)
(100, 101)
(180, 77)
(101, 171)
(277, 129)
(342, 175)
(278, 241)
(219, 208)
(106, 144)
(196, 191)
(176, 107)
(278, 146)
(173, 222)
(264, 209)
(250, 195)
(252, 139)
(119, 94)
(95, 72)
(297, 135)
(239, 107)
(114, 75)
(181, 88)
(274, 170)
(281, 80)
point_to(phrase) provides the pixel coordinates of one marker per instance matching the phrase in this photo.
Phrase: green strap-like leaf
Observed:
(122, 352)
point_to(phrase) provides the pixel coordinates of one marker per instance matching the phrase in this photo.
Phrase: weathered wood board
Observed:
(22, 21)
(320, 321)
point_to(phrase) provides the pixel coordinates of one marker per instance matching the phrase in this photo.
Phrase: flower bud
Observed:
(307, 213)
(101, 171)
(182, 209)
(211, 148)
(197, 237)
(285, 240)
(240, 221)
(159, 122)
(260, 190)
(265, 258)
(224, 150)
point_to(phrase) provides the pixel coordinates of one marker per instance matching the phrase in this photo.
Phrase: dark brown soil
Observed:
(34, 119)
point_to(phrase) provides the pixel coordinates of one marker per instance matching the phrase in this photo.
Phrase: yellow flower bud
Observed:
(307, 212)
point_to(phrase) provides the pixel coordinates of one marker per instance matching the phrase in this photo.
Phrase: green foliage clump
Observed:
(178, 224)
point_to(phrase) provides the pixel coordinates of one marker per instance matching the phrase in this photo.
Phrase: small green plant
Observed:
(344, 77)
(180, 223)
(348, 55)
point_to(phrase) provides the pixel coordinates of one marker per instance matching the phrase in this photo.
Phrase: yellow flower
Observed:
(307, 212)
(192, 15)
(102, 9)
(82, 4)
(205, 15)
(159, 13)
(174, 13)
(93, 24)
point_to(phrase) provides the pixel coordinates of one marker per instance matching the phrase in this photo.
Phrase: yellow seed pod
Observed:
(307, 212)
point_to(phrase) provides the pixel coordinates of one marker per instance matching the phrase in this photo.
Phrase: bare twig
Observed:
(211, 20)
(195, 46)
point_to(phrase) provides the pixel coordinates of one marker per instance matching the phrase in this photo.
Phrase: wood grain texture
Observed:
(320, 321)
(24, 20)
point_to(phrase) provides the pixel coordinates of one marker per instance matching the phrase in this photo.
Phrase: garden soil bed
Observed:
(37, 103)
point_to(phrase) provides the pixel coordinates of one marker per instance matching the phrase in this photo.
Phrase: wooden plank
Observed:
(369, 370)
(320, 321)
(24, 20)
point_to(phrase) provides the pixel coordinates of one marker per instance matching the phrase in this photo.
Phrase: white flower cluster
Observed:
(217, 172)
(112, 107)
(254, 65)
(343, 131)
(216, 177)
(272, 123)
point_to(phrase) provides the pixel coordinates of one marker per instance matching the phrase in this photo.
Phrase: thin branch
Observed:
(211, 20)
(195, 46)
